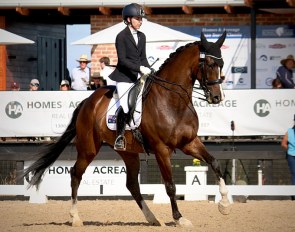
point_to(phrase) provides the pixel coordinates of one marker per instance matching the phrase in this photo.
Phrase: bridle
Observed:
(205, 82)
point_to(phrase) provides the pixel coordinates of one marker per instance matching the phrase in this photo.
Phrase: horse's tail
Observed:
(52, 152)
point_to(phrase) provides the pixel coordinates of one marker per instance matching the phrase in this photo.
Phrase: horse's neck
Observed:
(176, 74)
(171, 91)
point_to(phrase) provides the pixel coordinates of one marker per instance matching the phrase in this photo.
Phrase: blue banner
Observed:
(275, 31)
(213, 32)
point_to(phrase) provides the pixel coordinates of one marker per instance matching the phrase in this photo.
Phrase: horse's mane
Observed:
(174, 54)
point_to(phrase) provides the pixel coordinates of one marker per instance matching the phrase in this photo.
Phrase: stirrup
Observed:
(120, 143)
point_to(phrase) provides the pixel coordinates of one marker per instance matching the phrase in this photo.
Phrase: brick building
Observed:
(100, 22)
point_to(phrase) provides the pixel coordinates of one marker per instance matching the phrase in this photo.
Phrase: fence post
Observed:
(196, 175)
(259, 177)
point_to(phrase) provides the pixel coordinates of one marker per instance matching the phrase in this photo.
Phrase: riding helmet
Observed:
(132, 10)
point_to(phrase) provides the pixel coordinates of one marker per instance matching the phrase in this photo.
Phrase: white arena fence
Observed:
(254, 112)
(108, 178)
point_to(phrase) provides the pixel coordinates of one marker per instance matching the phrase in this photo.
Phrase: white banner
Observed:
(37, 113)
(102, 177)
(254, 112)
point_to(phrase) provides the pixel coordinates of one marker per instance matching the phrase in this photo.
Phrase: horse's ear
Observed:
(221, 39)
(203, 38)
(204, 41)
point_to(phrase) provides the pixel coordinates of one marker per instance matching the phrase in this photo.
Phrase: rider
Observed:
(132, 62)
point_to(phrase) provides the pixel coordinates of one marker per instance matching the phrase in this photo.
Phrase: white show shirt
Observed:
(105, 72)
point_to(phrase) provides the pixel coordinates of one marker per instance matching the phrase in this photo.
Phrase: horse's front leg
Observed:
(132, 163)
(164, 163)
(197, 150)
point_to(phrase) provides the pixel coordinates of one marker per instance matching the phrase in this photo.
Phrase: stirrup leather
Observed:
(120, 143)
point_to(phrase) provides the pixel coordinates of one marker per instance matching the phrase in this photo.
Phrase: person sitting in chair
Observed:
(132, 62)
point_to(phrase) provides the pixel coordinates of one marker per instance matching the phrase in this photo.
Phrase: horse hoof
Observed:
(182, 222)
(224, 208)
(77, 223)
(155, 223)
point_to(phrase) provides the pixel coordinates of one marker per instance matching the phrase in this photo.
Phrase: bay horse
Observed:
(169, 122)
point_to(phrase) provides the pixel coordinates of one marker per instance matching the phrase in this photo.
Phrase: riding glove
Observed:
(144, 70)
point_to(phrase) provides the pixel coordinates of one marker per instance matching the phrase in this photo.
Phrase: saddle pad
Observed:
(111, 114)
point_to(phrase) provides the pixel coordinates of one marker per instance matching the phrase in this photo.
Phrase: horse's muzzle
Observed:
(216, 99)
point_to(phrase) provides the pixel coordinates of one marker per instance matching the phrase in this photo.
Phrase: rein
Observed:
(161, 82)
(204, 83)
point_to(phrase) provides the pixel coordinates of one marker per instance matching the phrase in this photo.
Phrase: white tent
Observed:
(154, 33)
(8, 38)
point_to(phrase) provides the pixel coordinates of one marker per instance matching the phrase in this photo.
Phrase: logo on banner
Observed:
(14, 109)
(242, 69)
(263, 58)
(275, 57)
(262, 108)
(277, 46)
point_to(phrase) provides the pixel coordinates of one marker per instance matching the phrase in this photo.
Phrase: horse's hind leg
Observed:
(83, 160)
(197, 149)
(132, 163)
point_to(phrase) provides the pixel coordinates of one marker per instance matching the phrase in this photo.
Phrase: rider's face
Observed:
(136, 22)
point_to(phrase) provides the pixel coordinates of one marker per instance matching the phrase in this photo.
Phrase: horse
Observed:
(169, 122)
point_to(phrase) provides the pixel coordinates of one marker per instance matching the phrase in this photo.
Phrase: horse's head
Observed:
(210, 66)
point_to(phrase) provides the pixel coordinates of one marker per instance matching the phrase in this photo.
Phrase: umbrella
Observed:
(8, 38)
(154, 33)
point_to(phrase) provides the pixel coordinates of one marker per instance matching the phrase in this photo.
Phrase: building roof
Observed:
(114, 7)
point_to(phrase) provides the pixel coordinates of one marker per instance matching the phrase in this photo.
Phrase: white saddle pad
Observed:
(111, 114)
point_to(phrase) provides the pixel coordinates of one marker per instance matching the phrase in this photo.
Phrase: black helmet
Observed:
(132, 10)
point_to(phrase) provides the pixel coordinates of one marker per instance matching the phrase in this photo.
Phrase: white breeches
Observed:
(123, 89)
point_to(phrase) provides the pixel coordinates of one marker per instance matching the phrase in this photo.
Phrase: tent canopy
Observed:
(154, 33)
(8, 38)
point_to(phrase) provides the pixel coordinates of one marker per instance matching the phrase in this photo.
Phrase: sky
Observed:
(76, 32)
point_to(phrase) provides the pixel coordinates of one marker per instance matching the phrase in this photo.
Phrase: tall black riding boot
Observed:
(121, 119)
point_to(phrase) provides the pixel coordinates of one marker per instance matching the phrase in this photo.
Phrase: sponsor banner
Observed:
(275, 31)
(158, 52)
(37, 113)
(235, 50)
(255, 112)
(102, 177)
(273, 44)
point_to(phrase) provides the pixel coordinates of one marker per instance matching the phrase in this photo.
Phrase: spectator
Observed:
(64, 85)
(106, 70)
(15, 86)
(288, 143)
(67, 76)
(96, 81)
(80, 75)
(285, 72)
(276, 84)
(34, 85)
